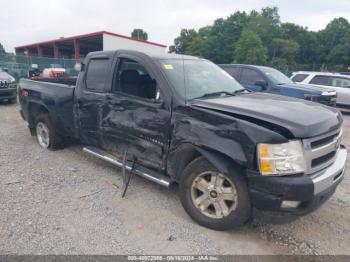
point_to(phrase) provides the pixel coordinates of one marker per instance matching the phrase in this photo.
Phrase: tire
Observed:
(45, 133)
(12, 101)
(233, 194)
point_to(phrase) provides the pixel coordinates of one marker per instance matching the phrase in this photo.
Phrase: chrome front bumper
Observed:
(326, 178)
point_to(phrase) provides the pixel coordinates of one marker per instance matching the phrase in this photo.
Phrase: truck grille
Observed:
(320, 151)
(4, 84)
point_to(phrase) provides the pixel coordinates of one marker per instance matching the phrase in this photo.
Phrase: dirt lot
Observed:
(66, 202)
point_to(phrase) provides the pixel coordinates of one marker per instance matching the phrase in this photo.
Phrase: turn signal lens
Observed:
(265, 167)
(264, 150)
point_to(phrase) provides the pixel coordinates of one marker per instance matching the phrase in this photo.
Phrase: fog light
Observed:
(290, 204)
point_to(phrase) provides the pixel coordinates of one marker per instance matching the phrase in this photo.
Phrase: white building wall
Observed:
(111, 42)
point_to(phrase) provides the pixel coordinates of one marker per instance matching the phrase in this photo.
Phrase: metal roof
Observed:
(100, 33)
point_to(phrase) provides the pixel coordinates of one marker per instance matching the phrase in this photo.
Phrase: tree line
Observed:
(259, 37)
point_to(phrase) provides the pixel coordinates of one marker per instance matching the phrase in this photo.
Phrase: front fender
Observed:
(222, 162)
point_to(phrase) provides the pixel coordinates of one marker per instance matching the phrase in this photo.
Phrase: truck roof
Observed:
(320, 73)
(151, 55)
(244, 65)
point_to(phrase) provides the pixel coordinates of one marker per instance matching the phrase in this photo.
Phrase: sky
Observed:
(24, 22)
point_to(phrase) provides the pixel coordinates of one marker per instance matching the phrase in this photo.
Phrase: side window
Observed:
(321, 80)
(96, 74)
(249, 77)
(132, 78)
(299, 77)
(233, 71)
(340, 82)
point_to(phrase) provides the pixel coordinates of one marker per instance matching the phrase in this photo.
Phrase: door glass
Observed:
(233, 71)
(133, 79)
(299, 77)
(249, 77)
(320, 80)
(340, 82)
(96, 74)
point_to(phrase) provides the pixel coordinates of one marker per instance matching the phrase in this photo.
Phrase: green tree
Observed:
(288, 45)
(309, 46)
(340, 54)
(182, 42)
(284, 48)
(249, 49)
(266, 24)
(335, 39)
(139, 34)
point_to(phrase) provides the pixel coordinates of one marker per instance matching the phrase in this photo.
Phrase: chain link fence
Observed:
(19, 65)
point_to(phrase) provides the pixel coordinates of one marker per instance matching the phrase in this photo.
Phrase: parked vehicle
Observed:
(269, 80)
(8, 87)
(181, 119)
(17, 70)
(339, 82)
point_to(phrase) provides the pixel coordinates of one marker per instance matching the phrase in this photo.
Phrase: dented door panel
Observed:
(136, 126)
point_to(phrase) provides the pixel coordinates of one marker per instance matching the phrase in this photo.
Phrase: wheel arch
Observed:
(186, 153)
(35, 109)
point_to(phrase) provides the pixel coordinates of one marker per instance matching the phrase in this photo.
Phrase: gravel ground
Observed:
(66, 202)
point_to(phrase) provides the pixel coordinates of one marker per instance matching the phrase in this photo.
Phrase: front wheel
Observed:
(46, 135)
(213, 199)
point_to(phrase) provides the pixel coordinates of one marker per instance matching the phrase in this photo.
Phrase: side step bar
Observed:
(139, 170)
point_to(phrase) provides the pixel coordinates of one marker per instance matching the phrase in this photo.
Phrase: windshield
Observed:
(276, 76)
(198, 78)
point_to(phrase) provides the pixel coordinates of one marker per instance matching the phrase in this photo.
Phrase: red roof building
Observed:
(75, 47)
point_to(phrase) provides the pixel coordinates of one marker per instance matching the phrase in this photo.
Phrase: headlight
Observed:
(281, 159)
(329, 93)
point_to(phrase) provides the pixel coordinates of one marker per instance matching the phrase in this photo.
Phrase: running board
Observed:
(138, 170)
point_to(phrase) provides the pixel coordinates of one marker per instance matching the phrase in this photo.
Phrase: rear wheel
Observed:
(213, 199)
(12, 101)
(46, 135)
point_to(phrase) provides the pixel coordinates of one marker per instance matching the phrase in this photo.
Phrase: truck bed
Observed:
(56, 98)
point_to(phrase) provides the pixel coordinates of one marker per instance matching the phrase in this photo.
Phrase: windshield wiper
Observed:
(240, 91)
(220, 93)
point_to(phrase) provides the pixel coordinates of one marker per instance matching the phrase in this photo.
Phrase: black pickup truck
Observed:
(182, 119)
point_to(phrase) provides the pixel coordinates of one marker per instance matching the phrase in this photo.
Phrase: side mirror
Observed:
(78, 67)
(261, 83)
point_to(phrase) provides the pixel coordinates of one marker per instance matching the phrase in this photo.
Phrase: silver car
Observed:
(338, 82)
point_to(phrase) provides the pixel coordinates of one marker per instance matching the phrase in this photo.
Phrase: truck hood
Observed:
(6, 76)
(302, 118)
(306, 88)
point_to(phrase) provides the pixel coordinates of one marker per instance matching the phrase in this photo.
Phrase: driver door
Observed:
(135, 119)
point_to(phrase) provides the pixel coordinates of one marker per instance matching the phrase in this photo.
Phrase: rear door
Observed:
(342, 86)
(90, 99)
(135, 118)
